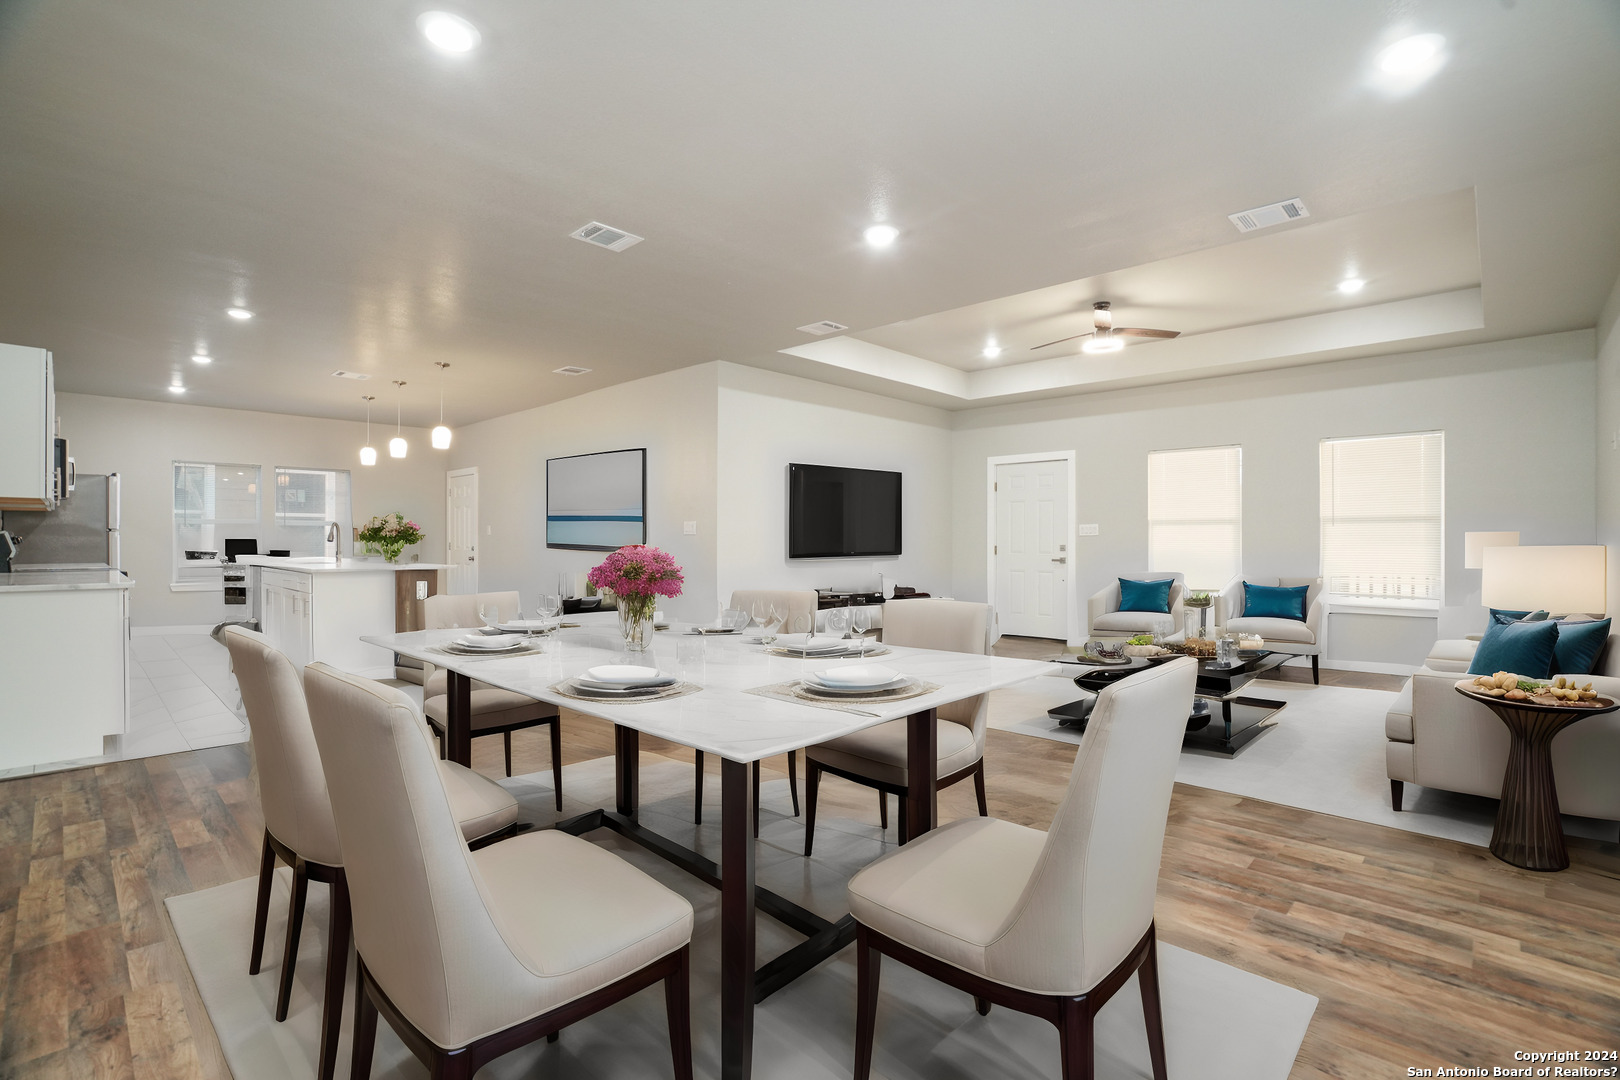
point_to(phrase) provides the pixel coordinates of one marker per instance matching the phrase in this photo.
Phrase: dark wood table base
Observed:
(1529, 830)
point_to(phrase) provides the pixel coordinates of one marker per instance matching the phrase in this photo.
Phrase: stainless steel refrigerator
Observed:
(80, 534)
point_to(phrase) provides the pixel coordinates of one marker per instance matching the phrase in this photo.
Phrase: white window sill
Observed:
(194, 586)
(1407, 609)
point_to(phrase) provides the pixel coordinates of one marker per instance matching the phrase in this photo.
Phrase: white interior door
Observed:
(1031, 550)
(461, 523)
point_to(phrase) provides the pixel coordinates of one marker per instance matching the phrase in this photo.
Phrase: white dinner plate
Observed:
(811, 643)
(624, 675)
(647, 684)
(527, 626)
(854, 676)
(586, 690)
(490, 642)
(904, 682)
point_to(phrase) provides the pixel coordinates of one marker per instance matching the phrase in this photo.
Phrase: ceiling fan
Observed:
(1105, 336)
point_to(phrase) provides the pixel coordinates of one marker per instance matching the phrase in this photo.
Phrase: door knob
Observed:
(471, 559)
(1061, 559)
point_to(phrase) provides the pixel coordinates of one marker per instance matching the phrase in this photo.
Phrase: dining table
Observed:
(718, 714)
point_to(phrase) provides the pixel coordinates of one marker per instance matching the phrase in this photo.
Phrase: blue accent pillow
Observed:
(1274, 602)
(1579, 646)
(1524, 648)
(1145, 595)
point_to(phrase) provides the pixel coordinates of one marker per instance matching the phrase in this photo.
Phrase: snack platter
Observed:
(1559, 693)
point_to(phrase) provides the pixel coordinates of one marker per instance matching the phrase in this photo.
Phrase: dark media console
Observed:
(829, 598)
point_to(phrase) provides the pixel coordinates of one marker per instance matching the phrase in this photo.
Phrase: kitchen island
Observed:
(64, 664)
(318, 608)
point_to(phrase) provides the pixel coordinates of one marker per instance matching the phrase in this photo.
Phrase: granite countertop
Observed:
(64, 580)
(349, 565)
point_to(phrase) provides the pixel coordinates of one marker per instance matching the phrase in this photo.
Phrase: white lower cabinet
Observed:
(322, 616)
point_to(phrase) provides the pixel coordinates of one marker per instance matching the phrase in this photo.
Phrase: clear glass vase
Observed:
(636, 622)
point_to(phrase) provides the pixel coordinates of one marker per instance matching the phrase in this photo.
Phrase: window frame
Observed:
(1370, 604)
(178, 581)
(1236, 521)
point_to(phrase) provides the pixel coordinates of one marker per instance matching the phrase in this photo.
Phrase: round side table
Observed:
(1528, 831)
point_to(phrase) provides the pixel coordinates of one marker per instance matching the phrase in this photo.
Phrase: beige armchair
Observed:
(1281, 635)
(1106, 619)
(1052, 923)
(494, 712)
(298, 824)
(876, 757)
(792, 605)
(470, 954)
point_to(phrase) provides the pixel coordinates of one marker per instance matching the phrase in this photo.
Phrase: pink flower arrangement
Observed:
(638, 572)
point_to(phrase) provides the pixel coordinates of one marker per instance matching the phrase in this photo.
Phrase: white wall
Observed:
(672, 415)
(141, 441)
(766, 421)
(1607, 449)
(1517, 416)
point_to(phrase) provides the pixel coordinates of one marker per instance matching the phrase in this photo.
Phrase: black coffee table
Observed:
(1242, 719)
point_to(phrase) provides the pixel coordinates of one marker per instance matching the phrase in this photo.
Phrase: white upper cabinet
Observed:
(27, 429)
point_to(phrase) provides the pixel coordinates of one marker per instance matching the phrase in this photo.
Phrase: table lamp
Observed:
(1475, 543)
(1562, 580)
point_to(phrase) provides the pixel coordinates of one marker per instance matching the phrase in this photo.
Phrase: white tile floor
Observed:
(182, 696)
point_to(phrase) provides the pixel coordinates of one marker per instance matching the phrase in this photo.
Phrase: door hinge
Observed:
(995, 485)
(995, 549)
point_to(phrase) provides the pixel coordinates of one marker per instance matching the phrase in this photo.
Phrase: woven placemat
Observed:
(874, 650)
(527, 650)
(794, 691)
(680, 689)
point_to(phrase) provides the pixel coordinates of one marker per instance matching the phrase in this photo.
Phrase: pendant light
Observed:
(396, 445)
(368, 453)
(441, 434)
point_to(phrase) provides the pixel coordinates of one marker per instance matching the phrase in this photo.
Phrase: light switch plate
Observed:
(421, 590)
(1085, 530)
(689, 528)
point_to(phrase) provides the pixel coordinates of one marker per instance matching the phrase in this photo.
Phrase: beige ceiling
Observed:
(382, 207)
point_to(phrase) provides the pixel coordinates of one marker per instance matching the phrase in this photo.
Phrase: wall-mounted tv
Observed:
(838, 513)
(597, 502)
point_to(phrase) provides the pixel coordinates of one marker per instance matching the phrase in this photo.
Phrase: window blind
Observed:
(306, 499)
(1382, 507)
(1195, 514)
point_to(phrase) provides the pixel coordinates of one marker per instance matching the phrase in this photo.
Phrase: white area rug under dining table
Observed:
(1221, 1023)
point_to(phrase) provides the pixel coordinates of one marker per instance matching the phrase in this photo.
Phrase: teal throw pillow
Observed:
(1274, 602)
(1579, 646)
(1145, 595)
(1524, 648)
(1500, 616)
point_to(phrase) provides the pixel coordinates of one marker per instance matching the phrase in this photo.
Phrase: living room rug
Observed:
(804, 1032)
(1326, 753)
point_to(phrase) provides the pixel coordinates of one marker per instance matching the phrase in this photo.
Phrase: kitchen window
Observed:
(1195, 514)
(213, 501)
(1382, 510)
(306, 501)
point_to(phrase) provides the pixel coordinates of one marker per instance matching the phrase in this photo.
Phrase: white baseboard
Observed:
(164, 631)
(1376, 666)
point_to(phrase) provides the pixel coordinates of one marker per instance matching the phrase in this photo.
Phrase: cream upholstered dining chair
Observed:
(1052, 923)
(876, 757)
(494, 712)
(298, 826)
(470, 954)
(792, 605)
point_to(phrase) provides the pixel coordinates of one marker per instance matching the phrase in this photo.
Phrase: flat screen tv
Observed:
(834, 512)
(597, 502)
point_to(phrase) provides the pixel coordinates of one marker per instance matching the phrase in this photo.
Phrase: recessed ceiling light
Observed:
(1409, 61)
(176, 388)
(1100, 344)
(992, 351)
(881, 236)
(1352, 285)
(448, 33)
(202, 358)
(241, 314)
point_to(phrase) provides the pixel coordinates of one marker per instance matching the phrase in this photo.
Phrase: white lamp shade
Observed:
(441, 438)
(396, 447)
(368, 455)
(1475, 543)
(1561, 580)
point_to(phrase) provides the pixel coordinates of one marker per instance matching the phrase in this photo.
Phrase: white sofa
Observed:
(1281, 635)
(1106, 620)
(1437, 738)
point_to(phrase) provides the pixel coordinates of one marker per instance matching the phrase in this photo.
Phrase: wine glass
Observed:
(769, 619)
(838, 622)
(860, 621)
(547, 606)
(488, 614)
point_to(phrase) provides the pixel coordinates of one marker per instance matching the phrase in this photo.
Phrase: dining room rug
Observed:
(804, 1032)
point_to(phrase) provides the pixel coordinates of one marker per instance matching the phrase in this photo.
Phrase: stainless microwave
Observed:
(64, 474)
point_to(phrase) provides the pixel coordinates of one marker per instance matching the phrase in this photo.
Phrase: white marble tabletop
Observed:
(722, 719)
(64, 580)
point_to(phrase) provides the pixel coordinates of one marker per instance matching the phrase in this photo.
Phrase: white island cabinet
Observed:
(64, 667)
(317, 609)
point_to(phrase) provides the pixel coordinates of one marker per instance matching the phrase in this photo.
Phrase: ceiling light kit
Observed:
(396, 445)
(1104, 336)
(368, 453)
(441, 434)
(881, 236)
(449, 33)
(992, 351)
(1352, 285)
(240, 314)
(1410, 61)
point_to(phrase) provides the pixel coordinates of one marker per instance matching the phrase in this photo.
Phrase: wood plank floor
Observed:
(1422, 951)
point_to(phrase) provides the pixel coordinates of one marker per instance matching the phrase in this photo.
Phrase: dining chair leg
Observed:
(678, 1003)
(295, 924)
(981, 1006)
(1147, 976)
(337, 970)
(756, 800)
(554, 1036)
(261, 911)
(451, 1065)
(506, 737)
(793, 779)
(556, 760)
(812, 781)
(978, 788)
(868, 965)
(883, 809)
(697, 784)
(905, 833)
(365, 1024)
(1075, 1039)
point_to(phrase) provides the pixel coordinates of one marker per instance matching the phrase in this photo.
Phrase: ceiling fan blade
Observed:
(1140, 331)
(1059, 341)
